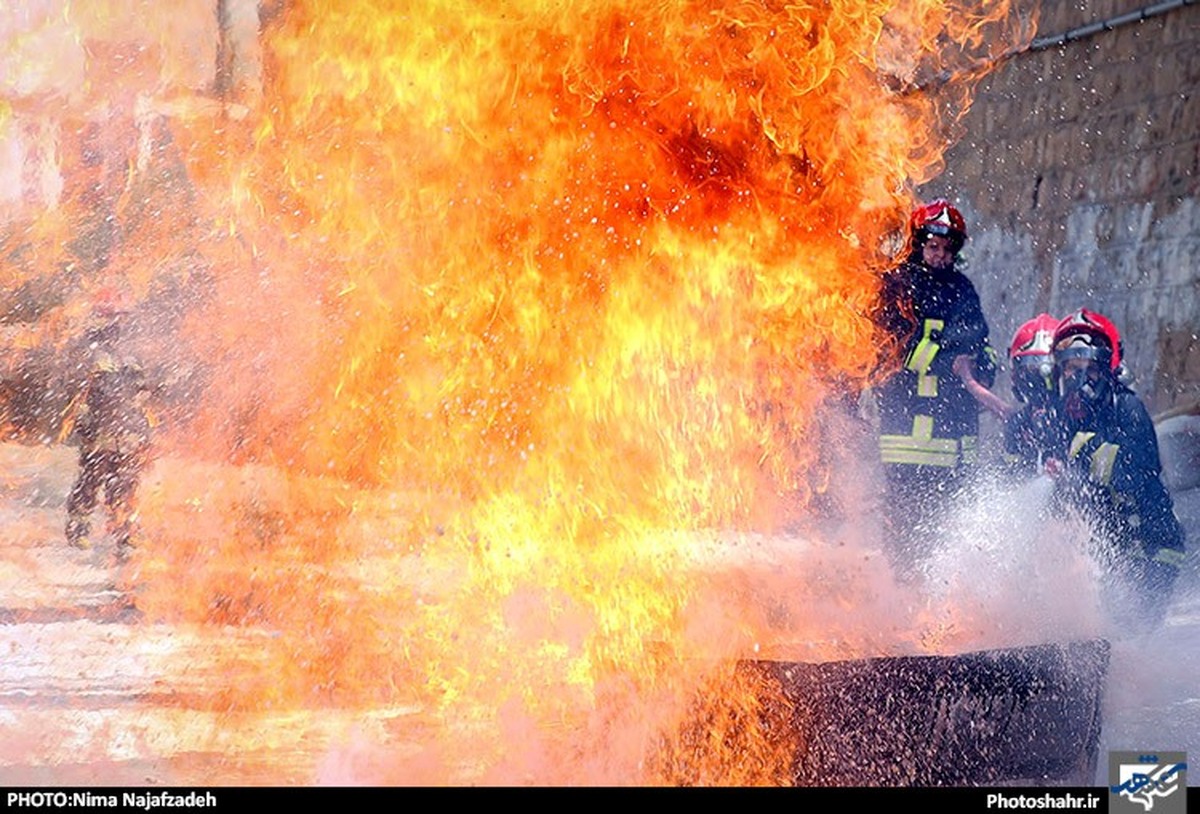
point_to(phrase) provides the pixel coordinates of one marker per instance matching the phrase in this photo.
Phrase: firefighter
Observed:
(113, 427)
(941, 370)
(1112, 472)
(1033, 432)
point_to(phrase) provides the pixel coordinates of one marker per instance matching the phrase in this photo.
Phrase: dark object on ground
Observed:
(1022, 716)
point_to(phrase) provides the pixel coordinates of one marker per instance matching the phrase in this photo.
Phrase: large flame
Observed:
(504, 314)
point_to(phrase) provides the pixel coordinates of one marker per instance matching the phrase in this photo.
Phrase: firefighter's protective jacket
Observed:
(927, 416)
(112, 419)
(1116, 476)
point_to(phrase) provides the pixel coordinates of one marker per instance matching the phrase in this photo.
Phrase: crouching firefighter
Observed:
(1033, 432)
(1112, 472)
(929, 404)
(113, 427)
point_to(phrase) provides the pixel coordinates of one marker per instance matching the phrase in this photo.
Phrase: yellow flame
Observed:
(542, 293)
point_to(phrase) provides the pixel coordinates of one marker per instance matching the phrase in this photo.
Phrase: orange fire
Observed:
(488, 321)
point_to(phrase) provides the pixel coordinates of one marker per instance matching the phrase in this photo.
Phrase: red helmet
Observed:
(1087, 335)
(938, 217)
(1034, 338)
(1031, 352)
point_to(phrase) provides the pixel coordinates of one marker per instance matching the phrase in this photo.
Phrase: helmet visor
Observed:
(1032, 379)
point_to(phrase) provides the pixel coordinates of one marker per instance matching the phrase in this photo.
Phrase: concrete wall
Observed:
(1079, 173)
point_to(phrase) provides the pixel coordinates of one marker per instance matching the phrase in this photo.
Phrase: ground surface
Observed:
(92, 692)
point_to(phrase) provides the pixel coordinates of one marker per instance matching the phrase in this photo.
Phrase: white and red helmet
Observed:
(1034, 338)
(1031, 353)
(1085, 334)
(938, 217)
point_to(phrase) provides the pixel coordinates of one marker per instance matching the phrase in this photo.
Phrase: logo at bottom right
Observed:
(1141, 782)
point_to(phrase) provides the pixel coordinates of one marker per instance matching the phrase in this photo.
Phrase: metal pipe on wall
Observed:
(1084, 31)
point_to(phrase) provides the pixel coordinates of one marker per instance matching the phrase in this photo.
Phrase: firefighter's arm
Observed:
(75, 411)
(964, 367)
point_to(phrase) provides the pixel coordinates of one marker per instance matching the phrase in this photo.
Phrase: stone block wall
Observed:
(1079, 173)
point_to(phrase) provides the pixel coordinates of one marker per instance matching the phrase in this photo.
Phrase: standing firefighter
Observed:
(1033, 433)
(113, 429)
(929, 406)
(1113, 472)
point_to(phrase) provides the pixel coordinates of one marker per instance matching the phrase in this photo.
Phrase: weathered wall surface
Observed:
(1079, 173)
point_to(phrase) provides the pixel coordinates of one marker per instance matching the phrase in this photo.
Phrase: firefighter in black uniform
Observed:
(113, 428)
(1112, 472)
(929, 404)
(1033, 432)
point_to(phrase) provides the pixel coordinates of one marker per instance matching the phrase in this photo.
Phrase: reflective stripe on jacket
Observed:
(926, 415)
(922, 449)
(1117, 479)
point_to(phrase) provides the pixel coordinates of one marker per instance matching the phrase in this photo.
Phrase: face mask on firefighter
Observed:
(1033, 380)
(1084, 384)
